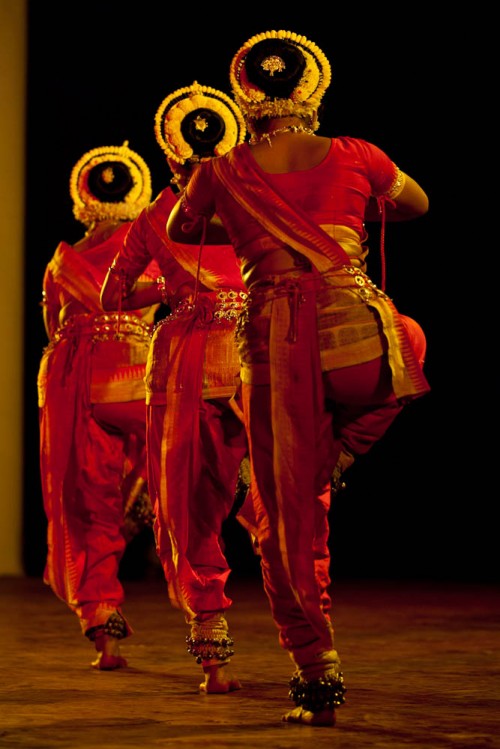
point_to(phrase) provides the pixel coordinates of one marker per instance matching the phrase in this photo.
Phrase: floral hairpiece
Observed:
(87, 208)
(305, 98)
(177, 105)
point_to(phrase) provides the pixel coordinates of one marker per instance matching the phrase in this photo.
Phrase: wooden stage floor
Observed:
(421, 663)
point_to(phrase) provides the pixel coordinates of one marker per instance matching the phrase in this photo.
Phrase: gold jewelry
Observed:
(288, 129)
(163, 290)
(397, 185)
(90, 210)
(272, 64)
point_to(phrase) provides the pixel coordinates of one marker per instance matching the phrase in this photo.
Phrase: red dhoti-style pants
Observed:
(302, 417)
(85, 519)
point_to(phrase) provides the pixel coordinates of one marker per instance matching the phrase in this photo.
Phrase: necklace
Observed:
(288, 129)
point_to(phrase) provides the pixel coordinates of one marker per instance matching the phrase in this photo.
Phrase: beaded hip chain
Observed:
(210, 307)
(103, 327)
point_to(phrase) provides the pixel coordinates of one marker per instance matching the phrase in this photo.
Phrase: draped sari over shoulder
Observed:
(292, 226)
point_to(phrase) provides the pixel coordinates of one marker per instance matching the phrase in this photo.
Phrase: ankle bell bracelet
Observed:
(316, 695)
(206, 649)
(115, 626)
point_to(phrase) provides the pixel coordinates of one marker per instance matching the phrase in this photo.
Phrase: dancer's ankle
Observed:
(317, 688)
(209, 642)
(106, 638)
(212, 647)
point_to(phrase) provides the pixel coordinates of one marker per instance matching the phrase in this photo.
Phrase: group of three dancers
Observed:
(276, 347)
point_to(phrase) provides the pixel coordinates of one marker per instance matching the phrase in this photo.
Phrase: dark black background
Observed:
(418, 505)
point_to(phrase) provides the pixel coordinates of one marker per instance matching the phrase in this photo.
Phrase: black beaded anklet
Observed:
(206, 649)
(209, 640)
(326, 692)
(115, 627)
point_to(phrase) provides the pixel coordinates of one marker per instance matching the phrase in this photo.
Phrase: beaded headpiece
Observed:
(198, 122)
(278, 74)
(111, 182)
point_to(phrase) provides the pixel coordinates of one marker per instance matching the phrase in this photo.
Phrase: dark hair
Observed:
(278, 84)
(110, 181)
(203, 129)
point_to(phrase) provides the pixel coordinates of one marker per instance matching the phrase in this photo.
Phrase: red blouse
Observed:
(336, 191)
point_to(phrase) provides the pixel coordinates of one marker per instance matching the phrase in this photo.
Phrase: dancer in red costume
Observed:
(196, 441)
(92, 409)
(327, 361)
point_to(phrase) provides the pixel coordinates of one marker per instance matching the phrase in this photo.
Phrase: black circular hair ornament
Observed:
(110, 181)
(275, 66)
(203, 129)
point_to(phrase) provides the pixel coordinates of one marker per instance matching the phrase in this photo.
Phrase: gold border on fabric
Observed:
(347, 332)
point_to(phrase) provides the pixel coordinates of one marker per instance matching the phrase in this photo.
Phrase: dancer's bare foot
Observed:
(219, 679)
(109, 656)
(306, 717)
